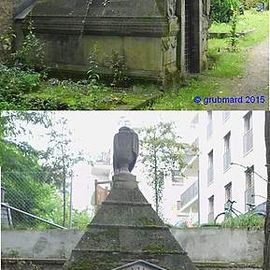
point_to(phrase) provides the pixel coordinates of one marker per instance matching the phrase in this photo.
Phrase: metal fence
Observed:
(28, 203)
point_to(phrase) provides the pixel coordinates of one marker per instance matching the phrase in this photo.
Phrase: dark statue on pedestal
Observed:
(126, 233)
(125, 150)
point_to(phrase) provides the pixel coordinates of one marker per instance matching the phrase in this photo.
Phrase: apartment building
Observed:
(230, 164)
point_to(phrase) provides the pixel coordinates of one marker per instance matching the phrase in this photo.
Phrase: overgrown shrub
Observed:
(117, 64)
(14, 82)
(245, 221)
(31, 55)
(233, 32)
(222, 10)
(6, 41)
(93, 67)
(248, 4)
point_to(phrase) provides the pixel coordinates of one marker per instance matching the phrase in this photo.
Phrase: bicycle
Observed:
(229, 211)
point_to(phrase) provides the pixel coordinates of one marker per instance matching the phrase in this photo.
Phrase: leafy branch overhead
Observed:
(162, 152)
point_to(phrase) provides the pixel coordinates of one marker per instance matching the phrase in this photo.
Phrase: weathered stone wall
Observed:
(222, 245)
(58, 264)
(202, 245)
(6, 15)
(204, 31)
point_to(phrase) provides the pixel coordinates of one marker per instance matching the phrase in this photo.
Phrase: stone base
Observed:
(127, 229)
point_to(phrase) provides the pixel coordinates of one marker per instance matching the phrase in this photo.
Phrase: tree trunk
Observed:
(156, 182)
(267, 220)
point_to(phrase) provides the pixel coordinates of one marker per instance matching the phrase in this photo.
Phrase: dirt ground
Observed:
(255, 81)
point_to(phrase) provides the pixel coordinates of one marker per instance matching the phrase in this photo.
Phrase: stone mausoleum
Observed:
(155, 37)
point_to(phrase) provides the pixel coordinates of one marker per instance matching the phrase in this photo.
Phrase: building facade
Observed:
(231, 164)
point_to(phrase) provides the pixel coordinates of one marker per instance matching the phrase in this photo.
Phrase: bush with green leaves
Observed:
(93, 67)
(15, 82)
(117, 64)
(246, 221)
(26, 188)
(222, 10)
(6, 40)
(32, 54)
(248, 4)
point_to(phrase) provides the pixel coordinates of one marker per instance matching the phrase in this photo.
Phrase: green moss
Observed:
(106, 234)
(156, 248)
(94, 263)
(147, 222)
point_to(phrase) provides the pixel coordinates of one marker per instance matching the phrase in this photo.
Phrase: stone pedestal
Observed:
(126, 229)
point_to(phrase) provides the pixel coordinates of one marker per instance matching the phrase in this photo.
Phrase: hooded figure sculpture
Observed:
(125, 150)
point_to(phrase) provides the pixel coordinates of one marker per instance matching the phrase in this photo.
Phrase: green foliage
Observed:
(248, 4)
(246, 221)
(15, 82)
(6, 41)
(234, 37)
(93, 67)
(26, 187)
(31, 55)
(117, 65)
(81, 219)
(223, 64)
(161, 152)
(222, 10)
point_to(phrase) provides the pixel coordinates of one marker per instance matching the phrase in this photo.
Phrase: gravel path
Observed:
(255, 81)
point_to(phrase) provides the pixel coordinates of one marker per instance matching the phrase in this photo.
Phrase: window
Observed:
(210, 124)
(228, 192)
(177, 178)
(250, 190)
(248, 133)
(211, 209)
(227, 152)
(210, 171)
(179, 205)
(225, 115)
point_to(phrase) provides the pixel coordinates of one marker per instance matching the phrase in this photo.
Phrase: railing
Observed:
(226, 160)
(189, 194)
(7, 206)
(248, 141)
(249, 197)
(210, 175)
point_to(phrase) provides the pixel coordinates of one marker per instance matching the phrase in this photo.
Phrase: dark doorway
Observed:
(192, 36)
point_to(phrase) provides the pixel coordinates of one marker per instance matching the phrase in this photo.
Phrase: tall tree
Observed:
(61, 155)
(57, 160)
(267, 220)
(162, 152)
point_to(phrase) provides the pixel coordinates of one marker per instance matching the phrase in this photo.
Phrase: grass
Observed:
(67, 95)
(223, 65)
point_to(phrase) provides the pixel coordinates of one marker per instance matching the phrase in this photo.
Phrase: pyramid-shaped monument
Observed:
(126, 229)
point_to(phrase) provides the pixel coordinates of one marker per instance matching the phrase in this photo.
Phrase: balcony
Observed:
(226, 160)
(248, 141)
(190, 194)
(210, 175)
